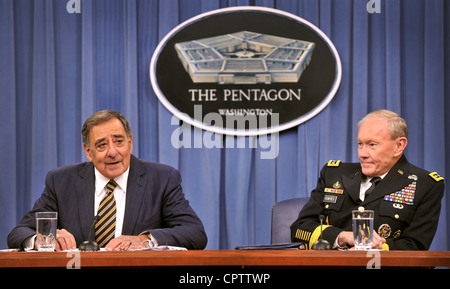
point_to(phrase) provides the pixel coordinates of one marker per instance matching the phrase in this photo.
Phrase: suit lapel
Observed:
(395, 180)
(352, 184)
(135, 192)
(85, 190)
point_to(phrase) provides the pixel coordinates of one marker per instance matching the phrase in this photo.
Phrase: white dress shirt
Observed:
(365, 185)
(119, 196)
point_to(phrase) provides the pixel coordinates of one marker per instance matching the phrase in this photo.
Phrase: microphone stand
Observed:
(90, 245)
(321, 244)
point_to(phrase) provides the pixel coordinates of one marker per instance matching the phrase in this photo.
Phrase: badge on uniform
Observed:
(337, 185)
(404, 196)
(334, 191)
(329, 199)
(384, 231)
(413, 177)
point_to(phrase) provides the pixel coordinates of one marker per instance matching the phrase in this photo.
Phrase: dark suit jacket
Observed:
(409, 223)
(154, 202)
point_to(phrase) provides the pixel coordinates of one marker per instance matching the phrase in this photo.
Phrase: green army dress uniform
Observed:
(406, 205)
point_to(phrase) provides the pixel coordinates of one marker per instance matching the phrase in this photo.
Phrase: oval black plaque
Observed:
(245, 71)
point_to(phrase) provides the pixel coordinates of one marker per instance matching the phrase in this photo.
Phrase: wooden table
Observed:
(228, 258)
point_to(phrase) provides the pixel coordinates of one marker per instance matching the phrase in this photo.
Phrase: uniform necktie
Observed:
(105, 228)
(374, 182)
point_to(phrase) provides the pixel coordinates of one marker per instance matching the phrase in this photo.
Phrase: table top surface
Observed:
(247, 258)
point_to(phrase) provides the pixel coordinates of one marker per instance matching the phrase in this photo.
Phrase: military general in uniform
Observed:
(406, 200)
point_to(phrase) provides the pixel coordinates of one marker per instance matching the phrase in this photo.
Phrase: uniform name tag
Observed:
(329, 199)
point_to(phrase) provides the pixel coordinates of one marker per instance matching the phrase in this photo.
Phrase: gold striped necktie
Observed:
(105, 228)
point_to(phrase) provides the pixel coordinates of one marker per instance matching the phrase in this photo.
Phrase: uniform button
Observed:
(327, 206)
(361, 209)
(396, 216)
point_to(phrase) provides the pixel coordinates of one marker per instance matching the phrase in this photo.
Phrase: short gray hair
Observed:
(396, 125)
(100, 117)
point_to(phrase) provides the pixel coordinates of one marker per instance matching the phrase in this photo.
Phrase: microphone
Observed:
(90, 245)
(321, 244)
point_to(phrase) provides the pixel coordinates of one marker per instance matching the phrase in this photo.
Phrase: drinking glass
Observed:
(46, 224)
(362, 229)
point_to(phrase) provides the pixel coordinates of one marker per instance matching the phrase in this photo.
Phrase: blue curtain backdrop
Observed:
(57, 68)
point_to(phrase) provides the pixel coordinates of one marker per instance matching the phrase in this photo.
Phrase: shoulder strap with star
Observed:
(435, 176)
(333, 163)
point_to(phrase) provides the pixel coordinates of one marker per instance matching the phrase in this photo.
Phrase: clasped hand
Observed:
(66, 241)
(346, 238)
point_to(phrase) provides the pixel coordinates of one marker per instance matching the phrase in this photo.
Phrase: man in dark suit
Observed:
(148, 204)
(406, 200)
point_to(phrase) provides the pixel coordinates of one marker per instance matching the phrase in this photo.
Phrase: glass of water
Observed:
(362, 229)
(46, 224)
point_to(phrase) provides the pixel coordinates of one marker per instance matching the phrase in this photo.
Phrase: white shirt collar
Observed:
(101, 181)
(382, 176)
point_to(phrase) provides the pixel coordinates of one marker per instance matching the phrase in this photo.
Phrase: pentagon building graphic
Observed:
(245, 58)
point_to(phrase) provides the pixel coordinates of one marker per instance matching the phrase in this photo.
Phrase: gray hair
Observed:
(100, 117)
(396, 125)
